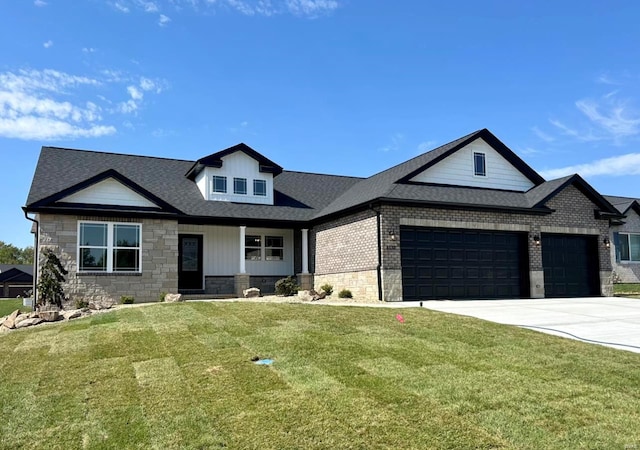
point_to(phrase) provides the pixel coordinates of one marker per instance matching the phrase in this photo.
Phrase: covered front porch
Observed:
(224, 260)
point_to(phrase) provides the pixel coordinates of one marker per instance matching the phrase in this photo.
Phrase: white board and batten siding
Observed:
(109, 192)
(221, 250)
(236, 165)
(458, 169)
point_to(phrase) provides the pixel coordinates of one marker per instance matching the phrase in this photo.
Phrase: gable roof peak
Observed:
(215, 160)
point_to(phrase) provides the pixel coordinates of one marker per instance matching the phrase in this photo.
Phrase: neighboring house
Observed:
(469, 219)
(15, 280)
(625, 236)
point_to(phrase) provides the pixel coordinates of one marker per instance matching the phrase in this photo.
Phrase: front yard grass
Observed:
(626, 289)
(9, 305)
(181, 376)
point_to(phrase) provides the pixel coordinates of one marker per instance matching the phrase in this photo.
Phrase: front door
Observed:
(190, 262)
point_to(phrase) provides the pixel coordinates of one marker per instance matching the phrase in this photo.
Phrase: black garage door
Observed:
(439, 263)
(570, 265)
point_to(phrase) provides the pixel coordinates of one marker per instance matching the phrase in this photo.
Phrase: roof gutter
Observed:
(35, 256)
(379, 265)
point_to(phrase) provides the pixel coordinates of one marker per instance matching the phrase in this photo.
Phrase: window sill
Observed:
(108, 274)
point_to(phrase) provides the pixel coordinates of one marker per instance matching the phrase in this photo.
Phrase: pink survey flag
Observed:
(400, 318)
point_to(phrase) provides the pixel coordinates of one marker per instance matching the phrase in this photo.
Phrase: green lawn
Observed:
(180, 376)
(626, 289)
(9, 305)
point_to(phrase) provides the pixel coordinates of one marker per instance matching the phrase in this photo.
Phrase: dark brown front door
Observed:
(190, 262)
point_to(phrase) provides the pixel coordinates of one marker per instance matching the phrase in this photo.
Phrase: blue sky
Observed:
(332, 86)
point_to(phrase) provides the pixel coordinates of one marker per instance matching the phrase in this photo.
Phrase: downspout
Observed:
(379, 266)
(35, 257)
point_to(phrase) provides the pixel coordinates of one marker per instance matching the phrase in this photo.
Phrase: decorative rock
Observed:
(319, 296)
(173, 298)
(98, 306)
(71, 314)
(20, 318)
(306, 296)
(10, 322)
(28, 322)
(251, 293)
(49, 316)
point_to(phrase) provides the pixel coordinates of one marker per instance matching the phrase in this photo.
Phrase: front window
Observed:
(260, 188)
(479, 164)
(253, 248)
(109, 247)
(240, 186)
(274, 248)
(629, 247)
(219, 184)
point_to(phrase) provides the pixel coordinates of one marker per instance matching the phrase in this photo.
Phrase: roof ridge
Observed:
(103, 152)
(304, 172)
(424, 153)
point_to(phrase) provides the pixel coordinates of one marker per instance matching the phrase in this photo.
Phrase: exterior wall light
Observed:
(392, 235)
(606, 242)
(536, 240)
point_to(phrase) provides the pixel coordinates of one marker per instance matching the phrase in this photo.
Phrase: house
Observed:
(625, 236)
(15, 280)
(469, 219)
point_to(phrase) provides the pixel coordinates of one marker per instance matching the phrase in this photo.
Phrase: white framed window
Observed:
(267, 248)
(479, 164)
(629, 247)
(240, 186)
(260, 188)
(273, 248)
(253, 248)
(109, 247)
(219, 184)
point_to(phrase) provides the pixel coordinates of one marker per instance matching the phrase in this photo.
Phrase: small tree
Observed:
(51, 278)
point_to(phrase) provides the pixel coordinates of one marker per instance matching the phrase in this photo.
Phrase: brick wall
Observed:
(344, 253)
(574, 214)
(626, 272)
(159, 260)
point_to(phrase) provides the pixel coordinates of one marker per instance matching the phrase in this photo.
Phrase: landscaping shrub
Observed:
(127, 299)
(161, 296)
(345, 293)
(81, 303)
(327, 288)
(50, 283)
(286, 286)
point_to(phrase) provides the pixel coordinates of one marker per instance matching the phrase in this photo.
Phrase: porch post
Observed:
(305, 250)
(243, 231)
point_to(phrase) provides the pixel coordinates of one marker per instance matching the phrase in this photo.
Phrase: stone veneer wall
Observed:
(626, 272)
(344, 253)
(159, 260)
(574, 214)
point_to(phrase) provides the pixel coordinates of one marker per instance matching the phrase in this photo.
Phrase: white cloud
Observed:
(88, 50)
(613, 116)
(149, 7)
(628, 164)
(586, 136)
(48, 104)
(394, 145)
(267, 8)
(48, 44)
(163, 20)
(121, 7)
(40, 3)
(426, 146)
(542, 135)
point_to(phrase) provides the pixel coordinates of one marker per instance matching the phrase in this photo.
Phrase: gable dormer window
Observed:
(260, 188)
(479, 164)
(219, 184)
(240, 186)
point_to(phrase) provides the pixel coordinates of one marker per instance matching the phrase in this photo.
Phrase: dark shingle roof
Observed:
(26, 268)
(298, 195)
(623, 204)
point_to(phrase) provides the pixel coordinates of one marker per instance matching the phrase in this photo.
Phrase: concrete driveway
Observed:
(610, 321)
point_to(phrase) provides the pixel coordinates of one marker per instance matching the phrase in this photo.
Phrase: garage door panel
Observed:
(463, 264)
(571, 267)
